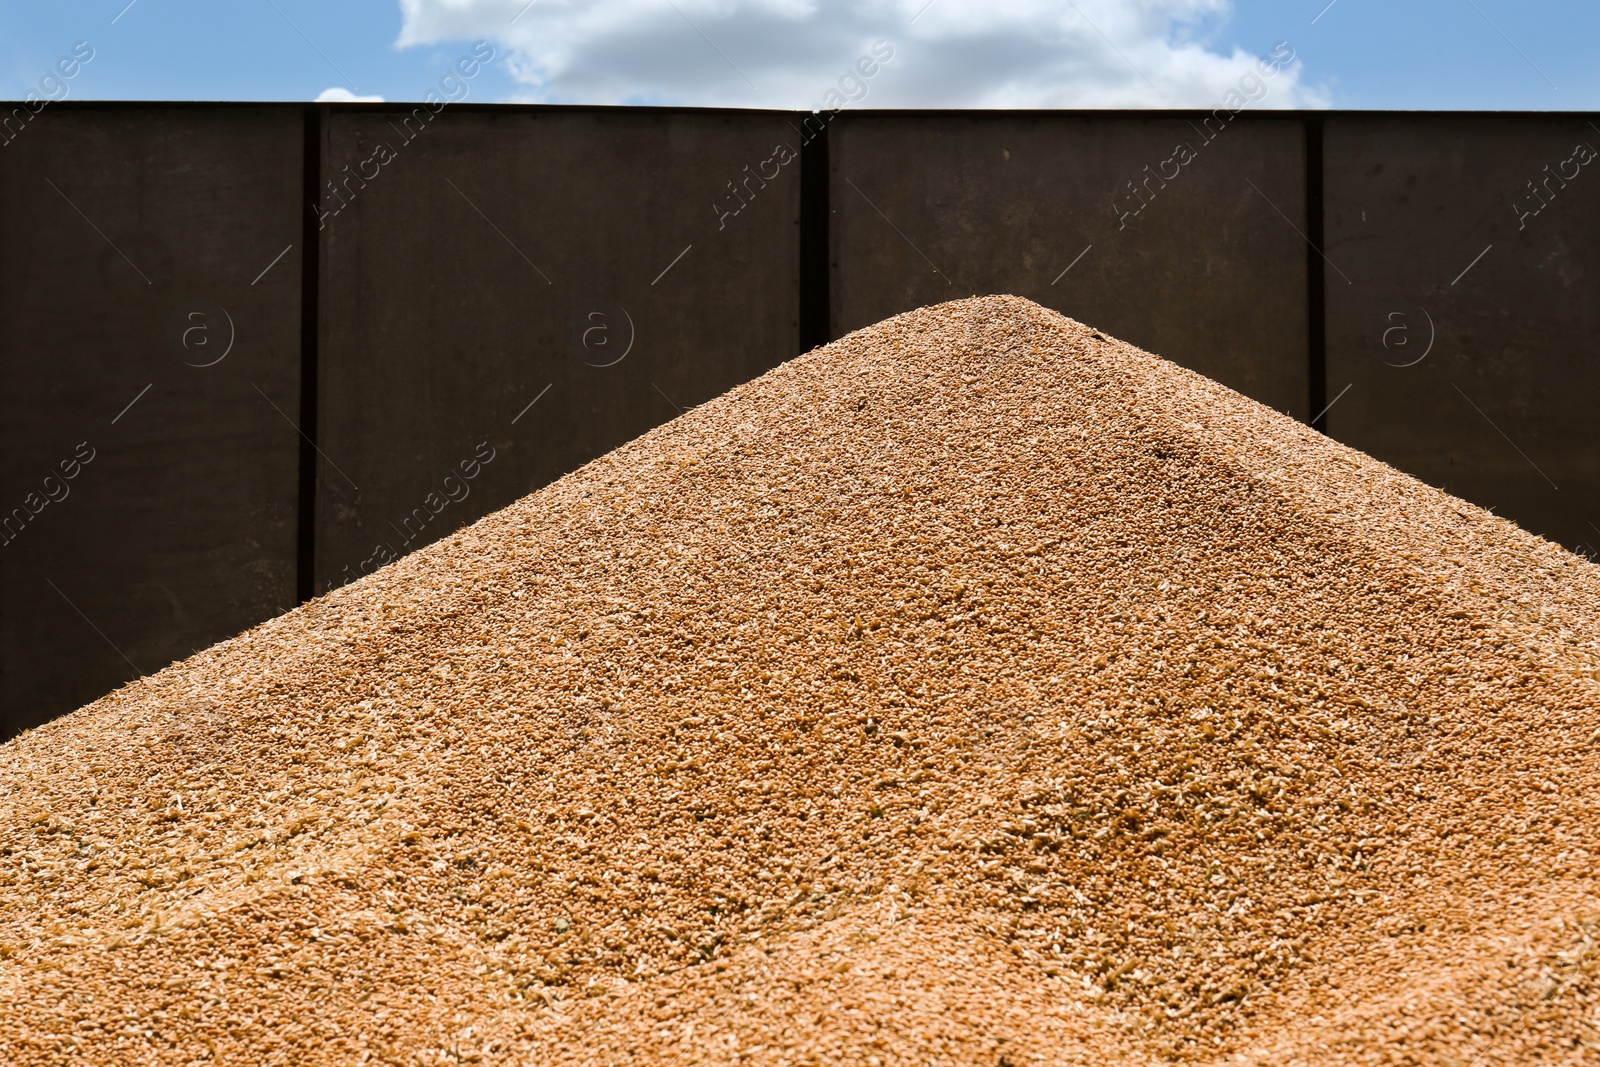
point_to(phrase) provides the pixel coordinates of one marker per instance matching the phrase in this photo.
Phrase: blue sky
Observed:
(1444, 54)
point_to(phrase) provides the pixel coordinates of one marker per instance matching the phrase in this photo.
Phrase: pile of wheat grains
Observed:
(973, 690)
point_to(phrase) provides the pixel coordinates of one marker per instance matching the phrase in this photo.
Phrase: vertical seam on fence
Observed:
(815, 327)
(1316, 292)
(310, 256)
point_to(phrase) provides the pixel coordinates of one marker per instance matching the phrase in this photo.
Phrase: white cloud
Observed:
(340, 95)
(789, 53)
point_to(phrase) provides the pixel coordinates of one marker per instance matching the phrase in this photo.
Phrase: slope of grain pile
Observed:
(974, 690)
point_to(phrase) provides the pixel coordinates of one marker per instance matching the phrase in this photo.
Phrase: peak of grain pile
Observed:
(973, 690)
